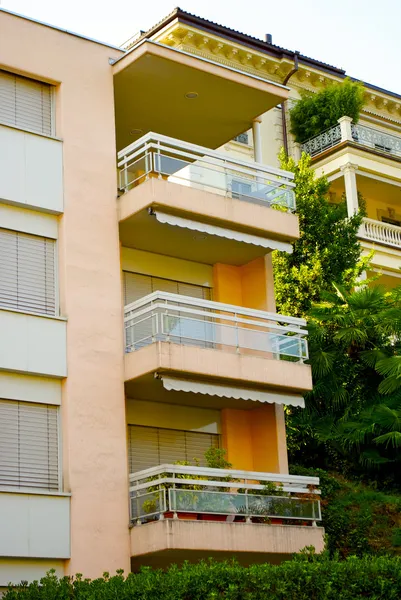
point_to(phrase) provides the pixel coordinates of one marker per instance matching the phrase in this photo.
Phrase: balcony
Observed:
(186, 96)
(208, 348)
(193, 512)
(359, 136)
(381, 233)
(221, 209)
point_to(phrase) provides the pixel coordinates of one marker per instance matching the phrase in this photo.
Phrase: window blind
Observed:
(137, 286)
(152, 446)
(25, 103)
(27, 272)
(28, 445)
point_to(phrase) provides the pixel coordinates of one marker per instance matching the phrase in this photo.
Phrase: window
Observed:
(242, 138)
(27, 272)
(25, 103)
(28, 445)
(391, 221)
(153, 446)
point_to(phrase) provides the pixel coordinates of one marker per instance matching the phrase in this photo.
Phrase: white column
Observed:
(257, 139)
(345, 127)
(351, 191)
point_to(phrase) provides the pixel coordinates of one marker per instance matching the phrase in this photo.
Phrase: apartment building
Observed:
(138, 322)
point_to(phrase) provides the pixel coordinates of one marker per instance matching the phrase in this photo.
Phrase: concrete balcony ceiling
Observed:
(152, 83)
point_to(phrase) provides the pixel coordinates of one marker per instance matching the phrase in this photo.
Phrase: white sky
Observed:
(361, 36)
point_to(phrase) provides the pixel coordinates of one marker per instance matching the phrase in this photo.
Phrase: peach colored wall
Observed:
(253, 281)
(242, 286)
(236, 438)
(93, 411)
(254, 438)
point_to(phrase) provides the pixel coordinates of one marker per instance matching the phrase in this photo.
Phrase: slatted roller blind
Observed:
(25, 103)
(152, 446)
(137, 286)
(27, 272)
(28, 445)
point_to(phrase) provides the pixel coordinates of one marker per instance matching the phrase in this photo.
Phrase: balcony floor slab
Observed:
(140, 230)
(216, 365)
(162, 543)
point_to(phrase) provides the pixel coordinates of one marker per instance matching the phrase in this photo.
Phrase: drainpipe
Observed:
(283, 110)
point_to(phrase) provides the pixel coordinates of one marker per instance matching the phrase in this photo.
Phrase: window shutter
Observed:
(27, 272)
(152, 446)
(25, 103)
(28, 445)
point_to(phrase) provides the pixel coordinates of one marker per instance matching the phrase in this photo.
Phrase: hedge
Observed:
(306, 577)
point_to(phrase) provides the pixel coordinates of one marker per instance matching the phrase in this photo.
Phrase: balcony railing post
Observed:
(345, 127)
(148, 163)
(300, 350)
(236, 334)
(248, 517)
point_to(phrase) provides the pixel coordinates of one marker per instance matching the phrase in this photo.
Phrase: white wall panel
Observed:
(28, 221)
(32, 344)
(15, 570)
(31, 169)
(28, 388)
(34, 525)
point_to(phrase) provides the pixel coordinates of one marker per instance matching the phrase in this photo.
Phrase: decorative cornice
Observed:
(227, 52)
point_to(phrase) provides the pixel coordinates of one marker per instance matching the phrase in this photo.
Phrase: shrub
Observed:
(358, 519)
(306, 577)
(315, 113)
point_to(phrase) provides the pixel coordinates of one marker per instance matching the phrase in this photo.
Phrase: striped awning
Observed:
(225, 391)
(229, 234)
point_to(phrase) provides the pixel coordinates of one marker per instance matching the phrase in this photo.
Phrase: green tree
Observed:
(327, 250)
(353, 413)
(316, 112)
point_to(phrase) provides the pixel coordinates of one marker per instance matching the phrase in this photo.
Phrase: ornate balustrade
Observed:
(383, 233)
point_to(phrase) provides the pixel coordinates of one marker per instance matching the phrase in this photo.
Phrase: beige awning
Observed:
(225, 391)
(239, 236)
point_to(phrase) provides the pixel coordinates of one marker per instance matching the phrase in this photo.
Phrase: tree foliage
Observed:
(315, 113)
(358, 519)
(306, 577)
(353, 414)
(328, 249)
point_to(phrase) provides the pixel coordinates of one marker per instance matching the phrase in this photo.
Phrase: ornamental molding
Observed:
(194, 41)
(231, 54)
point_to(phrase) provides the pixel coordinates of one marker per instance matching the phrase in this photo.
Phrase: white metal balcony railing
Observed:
(195, 166)
(360, 134)
(166, 490)
(383, 233)
(162, 316)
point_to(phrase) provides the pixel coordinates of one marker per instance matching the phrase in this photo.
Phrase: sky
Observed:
(360, 36)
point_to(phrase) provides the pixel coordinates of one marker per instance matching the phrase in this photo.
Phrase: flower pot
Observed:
(187, 516)
(213, 517)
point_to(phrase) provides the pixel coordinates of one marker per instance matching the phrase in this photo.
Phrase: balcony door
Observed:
(179, 327)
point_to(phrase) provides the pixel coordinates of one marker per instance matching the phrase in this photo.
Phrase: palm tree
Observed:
(354, 408)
